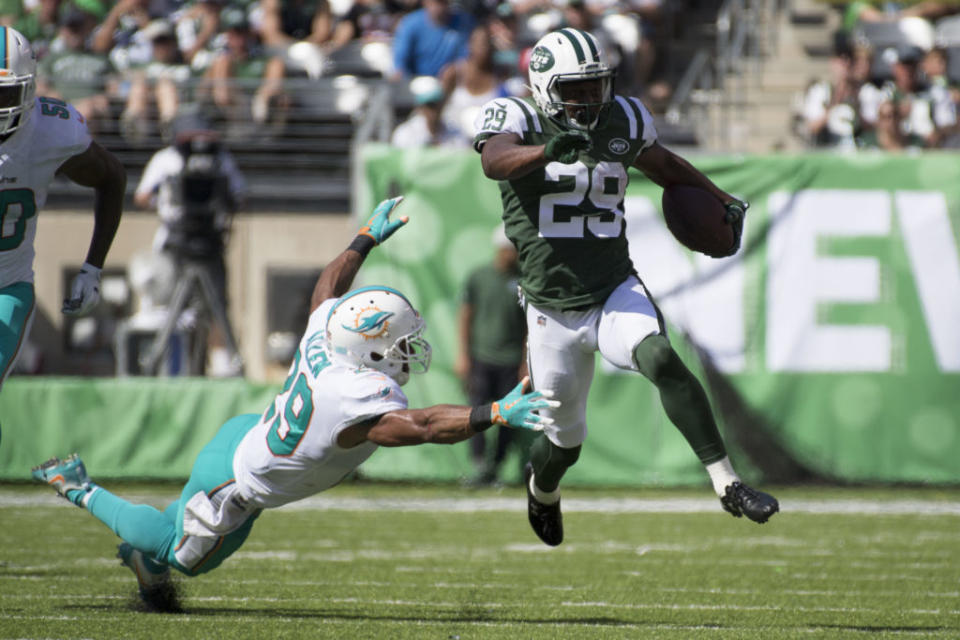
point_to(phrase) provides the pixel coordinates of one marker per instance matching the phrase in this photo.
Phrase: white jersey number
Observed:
(603, 186)
(292, 421)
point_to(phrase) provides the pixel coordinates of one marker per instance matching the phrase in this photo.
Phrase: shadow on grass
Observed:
(468, 617)
(877, 628)
(320, 614)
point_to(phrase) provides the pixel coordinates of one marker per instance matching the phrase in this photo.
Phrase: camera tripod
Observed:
(193, 276)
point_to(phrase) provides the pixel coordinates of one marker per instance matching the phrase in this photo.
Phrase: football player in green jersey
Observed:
(561, 159)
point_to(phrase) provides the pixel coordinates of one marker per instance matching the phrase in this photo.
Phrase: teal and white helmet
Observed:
(379, 328)
(570, 55)
(18, 80)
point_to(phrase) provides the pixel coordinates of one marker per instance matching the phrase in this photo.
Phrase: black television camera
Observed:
(202, 192)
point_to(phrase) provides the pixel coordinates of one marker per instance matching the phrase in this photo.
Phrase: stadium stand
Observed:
(303, 163)
(894, 58)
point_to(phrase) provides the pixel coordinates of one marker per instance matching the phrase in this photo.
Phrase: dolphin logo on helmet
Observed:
(371, 326)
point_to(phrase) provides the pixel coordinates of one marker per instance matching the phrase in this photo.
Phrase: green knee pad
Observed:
(657, 360)
(550, 462)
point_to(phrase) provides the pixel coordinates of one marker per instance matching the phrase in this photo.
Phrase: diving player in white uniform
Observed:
(341, 401)
(40, 137)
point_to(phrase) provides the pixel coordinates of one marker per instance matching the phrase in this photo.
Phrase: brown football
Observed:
(695, 218)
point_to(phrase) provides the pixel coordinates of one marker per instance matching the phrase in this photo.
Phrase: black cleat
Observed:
(741, 500)
(546, 519)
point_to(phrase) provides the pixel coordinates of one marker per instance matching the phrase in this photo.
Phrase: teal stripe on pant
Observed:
(156, 533)
(17, 303)
(16, 308)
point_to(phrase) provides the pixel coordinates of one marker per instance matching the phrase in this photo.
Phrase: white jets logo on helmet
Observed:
(541, 59)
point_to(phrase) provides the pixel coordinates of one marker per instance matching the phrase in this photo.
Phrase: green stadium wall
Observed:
(830, 346)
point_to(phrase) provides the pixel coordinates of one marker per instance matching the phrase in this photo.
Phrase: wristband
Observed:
(362, 244)
(480, 418)
(89, 268)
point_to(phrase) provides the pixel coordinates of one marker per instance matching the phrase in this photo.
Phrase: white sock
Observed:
(87, 495)
(722, 475)
(544, 497)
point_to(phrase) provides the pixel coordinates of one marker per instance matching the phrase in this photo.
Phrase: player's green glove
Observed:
(736, 212)
(379, 227)
(565, 147)
(517, 408)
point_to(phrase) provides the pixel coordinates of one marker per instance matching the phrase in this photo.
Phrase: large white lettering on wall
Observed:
(799, 280)
(706, 297)
(929, 243)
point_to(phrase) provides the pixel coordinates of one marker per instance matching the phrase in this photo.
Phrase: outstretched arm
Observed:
(98, 168)
(338, 275)
(449, 423)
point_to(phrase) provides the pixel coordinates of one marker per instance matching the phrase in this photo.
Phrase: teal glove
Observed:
(379, 227)
(516, 409)
(565, 147)
(736, 212)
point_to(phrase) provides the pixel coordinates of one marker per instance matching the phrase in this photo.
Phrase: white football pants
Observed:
(561, 345)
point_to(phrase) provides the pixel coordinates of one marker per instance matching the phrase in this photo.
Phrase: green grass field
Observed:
(385, 561)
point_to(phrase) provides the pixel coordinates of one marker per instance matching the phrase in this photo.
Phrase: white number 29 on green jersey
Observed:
(603, 187)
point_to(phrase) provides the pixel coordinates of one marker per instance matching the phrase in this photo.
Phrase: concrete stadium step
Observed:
(804, 42)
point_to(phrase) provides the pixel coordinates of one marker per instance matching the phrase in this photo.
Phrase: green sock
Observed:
(550, 462)
(682, 395)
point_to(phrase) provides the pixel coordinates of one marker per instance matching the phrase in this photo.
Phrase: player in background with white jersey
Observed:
(341, 401)
(39, 138)
(561, 158)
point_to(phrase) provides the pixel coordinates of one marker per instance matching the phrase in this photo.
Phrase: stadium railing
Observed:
(724, 70)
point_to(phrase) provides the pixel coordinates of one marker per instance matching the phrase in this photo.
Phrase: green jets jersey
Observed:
(567, 219)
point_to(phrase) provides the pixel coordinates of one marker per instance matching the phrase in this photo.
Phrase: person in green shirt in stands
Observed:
(245, 80)
(492, 332)
(74, 73)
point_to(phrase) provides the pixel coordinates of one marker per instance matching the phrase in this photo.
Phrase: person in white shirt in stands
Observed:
(425, 127)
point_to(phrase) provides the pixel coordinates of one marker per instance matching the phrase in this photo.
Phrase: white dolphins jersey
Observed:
(29, 159)
(292, 452)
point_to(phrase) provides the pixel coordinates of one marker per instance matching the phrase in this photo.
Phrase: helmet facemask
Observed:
(409, 354)
(583, 99)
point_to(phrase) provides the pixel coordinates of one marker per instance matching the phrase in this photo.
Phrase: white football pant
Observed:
(561, 345)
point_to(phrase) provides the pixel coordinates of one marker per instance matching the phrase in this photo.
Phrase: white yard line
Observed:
(9, 499)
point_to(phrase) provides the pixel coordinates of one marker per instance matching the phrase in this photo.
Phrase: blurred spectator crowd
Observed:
(132, 65)
(894, 80)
